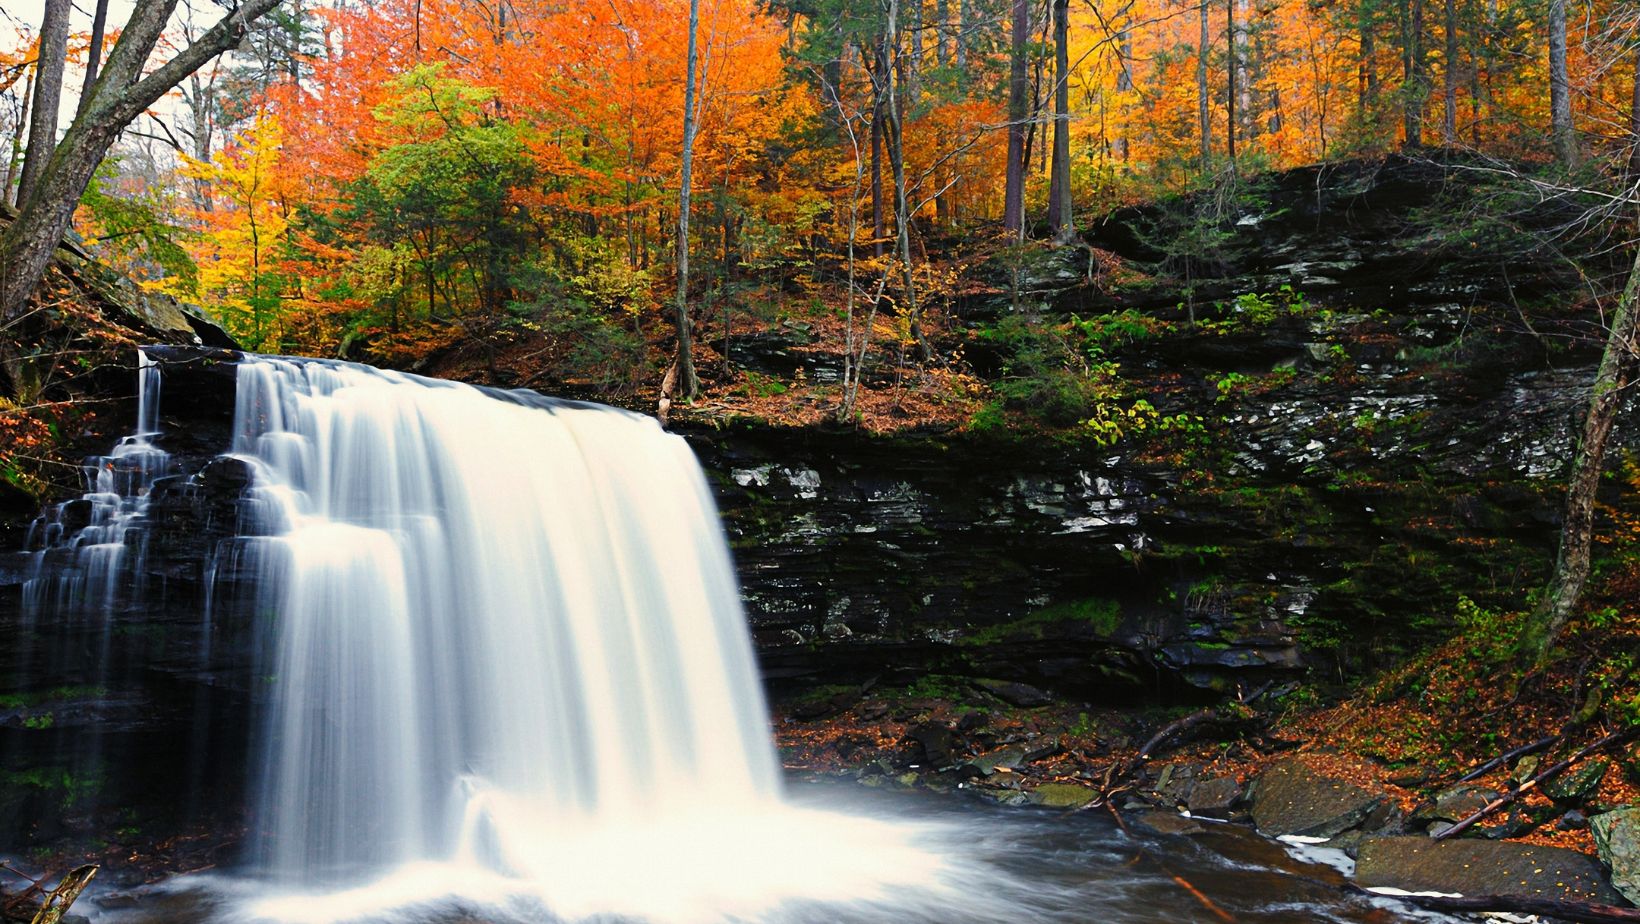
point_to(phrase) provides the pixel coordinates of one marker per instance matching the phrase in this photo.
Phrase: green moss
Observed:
(1102, 615)
(26, 700)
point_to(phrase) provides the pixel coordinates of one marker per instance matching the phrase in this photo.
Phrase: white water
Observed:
(509, 663)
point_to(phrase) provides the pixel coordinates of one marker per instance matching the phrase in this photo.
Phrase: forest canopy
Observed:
(394, 175)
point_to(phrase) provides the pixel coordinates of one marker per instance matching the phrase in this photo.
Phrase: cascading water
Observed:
(505, 678)
(502, 656)
(493, 616)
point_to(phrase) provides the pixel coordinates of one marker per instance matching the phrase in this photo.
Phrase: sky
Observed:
(22, 17)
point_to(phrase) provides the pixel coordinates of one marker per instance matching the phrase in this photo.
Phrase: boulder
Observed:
(1214, 798)
(1478, 867)
(1160, 821)
(1579, 784)
(1617, 838)
(1062, 795)
(1293, 798)
(1015, 694)
(1458, 802)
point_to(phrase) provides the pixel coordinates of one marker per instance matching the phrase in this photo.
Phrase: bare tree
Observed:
(1059, 186)
(1019, 89)
(1611, 382)
(93, 52)
(683, 365)
(120, 94)
(1560, 88)
(1203, 116)
(16, 159)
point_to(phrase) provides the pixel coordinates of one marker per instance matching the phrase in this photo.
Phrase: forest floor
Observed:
(1408, 733)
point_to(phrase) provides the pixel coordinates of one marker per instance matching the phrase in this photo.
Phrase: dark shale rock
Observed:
(1017, 694)
(1214, 798)
(1478, 867)
(1577, 785)
(1161, 821)
(1456, 803)
(1293, 798)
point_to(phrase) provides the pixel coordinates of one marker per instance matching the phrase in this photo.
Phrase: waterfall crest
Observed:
(488, 610)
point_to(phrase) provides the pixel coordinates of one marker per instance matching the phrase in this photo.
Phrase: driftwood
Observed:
(1541, 744)
(28, 905)
(1123, 769)
(1554, 770)
(1582, 912)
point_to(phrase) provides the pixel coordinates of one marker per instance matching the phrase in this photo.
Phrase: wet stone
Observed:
(1062, 795)
(1292, 798)
(1617, 839)
(1214, 798)
(1479, 867)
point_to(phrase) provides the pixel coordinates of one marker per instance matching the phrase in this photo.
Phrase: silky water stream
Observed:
(508, 679)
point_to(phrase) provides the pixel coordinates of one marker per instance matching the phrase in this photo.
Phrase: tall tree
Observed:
(1449, 74)
(683, 368)
(1560, 88)
(1059, 184)
(1634, 119)
(1413, 88)
(902, 201)
(1230, 66)
(1203, 114)
(1019, 89)
(93, 51)
(1612, 382)
(121, 94)
(7, 192)
(48, 95)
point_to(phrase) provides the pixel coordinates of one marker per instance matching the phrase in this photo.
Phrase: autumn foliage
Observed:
(387, 179)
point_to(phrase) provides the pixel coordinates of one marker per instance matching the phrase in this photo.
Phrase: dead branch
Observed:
(1554, 770)
(1539, 745)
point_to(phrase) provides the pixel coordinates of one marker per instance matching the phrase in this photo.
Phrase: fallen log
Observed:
(1554, 770)
(1582, 912)
(62, 898)
(1507, 756)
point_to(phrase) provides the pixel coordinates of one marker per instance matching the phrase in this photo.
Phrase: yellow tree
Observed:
(242, 239)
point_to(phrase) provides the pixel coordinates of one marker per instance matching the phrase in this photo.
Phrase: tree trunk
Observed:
(1124, 81)
(93, 52)
(1449, 119)
(8, 194)
(1560, 88)
(1634, 120)
(879, 230)
(48, 95)
(1019, 88)
(942, 57)
(902, 202)
(1059, 186)
(120, 95)
(684, 364)
(1203, 116)
(1412, 74)
(1230, 81)
(1369, 67)
(1615, 376)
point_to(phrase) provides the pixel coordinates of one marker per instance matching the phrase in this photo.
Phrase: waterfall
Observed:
(499, 651)
(491, 613)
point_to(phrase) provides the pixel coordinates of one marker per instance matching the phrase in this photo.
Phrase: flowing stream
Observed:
(507, 677)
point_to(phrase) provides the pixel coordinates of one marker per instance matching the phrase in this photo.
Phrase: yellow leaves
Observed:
(244, 233)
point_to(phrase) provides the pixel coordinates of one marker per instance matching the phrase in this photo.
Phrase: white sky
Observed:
(20, 18)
